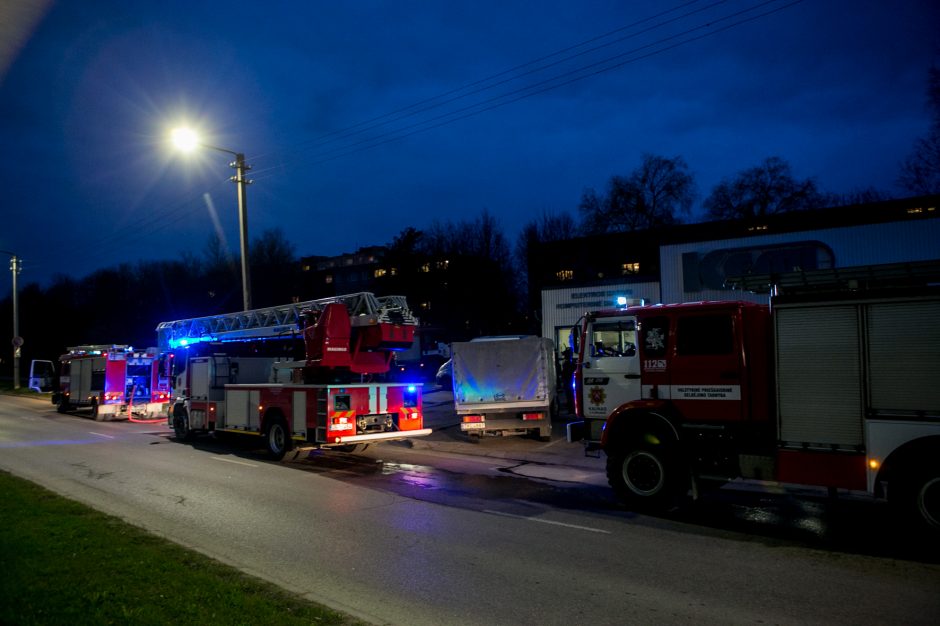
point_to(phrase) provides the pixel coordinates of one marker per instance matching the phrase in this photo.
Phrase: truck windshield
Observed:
(615, 339)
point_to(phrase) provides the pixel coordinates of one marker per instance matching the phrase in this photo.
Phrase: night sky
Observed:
(363, 118)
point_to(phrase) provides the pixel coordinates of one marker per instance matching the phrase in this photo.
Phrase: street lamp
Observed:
(17, 340)
(187, 140)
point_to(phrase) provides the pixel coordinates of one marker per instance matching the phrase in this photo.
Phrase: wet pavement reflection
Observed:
(761, 513)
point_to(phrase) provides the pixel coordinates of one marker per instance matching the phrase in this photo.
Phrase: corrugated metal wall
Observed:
(870, 244)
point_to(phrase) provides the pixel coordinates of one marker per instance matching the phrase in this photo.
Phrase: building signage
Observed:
(594, 299)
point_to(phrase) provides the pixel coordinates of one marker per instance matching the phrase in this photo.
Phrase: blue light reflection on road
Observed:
(48, 442)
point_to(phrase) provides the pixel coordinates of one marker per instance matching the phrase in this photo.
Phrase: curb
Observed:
(557, 452)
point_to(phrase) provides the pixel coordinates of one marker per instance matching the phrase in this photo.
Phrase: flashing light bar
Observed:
(623, 301)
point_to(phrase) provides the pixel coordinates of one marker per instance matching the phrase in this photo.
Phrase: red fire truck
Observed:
(299, 375)
(112, 382)
(830, 387)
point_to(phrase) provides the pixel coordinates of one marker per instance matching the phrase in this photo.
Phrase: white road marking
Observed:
(219, 458)
(545, 521)
(101, 435)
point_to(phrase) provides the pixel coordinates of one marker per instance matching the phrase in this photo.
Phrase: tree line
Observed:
(469, 276)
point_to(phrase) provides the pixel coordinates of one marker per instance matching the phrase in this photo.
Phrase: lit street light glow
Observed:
(185, 139)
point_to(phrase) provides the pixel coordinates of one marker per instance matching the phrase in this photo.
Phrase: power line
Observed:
(586, 71)
(475, 86)
(179, 211)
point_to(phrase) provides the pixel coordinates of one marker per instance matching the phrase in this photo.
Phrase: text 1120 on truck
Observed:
(112, 382)
(301, 375)
(837, 389)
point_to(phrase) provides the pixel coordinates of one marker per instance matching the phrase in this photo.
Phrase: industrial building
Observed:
(697, 262)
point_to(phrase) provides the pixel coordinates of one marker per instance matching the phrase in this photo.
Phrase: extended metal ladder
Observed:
(282, 321)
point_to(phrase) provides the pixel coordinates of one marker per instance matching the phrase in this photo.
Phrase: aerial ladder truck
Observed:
(305, 374)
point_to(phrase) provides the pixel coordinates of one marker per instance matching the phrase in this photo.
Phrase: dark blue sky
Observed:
(316, 94)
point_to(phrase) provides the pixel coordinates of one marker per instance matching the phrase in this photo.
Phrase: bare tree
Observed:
(766, 189)
(274, 269)
(472, 253)
(861, 195)
(920, 172)
(550, 227)
(658, 193)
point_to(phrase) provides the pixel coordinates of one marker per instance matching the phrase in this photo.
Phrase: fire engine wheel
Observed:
(917, 496)
(644, 476)
(95, 413)
(181, 424)
(63, 406)
(928, 501)
(278, 439)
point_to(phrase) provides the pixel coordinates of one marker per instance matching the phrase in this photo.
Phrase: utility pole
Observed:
(17, 340)
(242, 181)
(185, 139)
(15, 268)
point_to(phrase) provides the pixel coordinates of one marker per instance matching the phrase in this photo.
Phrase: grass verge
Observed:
(6, 386)
(65, 563)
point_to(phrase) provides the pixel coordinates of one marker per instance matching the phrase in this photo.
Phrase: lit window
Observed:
(380, 272)
(393, 271)
(630, 268)
(426, 268)
(329, 279)
(442, 265)
(306, 268)
(565, 275)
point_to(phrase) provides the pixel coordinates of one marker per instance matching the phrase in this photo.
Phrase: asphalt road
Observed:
(432, 535)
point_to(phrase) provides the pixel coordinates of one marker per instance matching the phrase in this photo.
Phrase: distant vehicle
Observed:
(445, 375)
(41, 375)
(505, 385)
(421, 361)
(112, 381)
